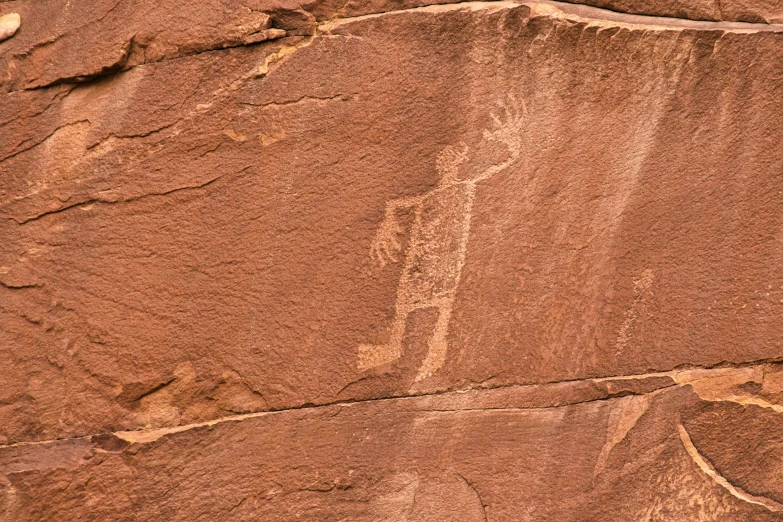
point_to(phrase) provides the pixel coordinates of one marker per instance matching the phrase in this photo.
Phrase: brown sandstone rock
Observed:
(215, 215)
(77, 41)
(540, 244)
(754, 11)
(9, 24)
(66, 42)
(631, 458)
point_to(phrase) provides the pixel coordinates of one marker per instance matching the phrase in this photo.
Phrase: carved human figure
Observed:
(437, 243)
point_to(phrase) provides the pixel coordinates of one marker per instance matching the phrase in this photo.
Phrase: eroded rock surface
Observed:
(9, 24)
(380, 261)
(754, 11)
(667, 454)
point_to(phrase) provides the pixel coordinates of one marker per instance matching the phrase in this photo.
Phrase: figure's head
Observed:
(449, 160)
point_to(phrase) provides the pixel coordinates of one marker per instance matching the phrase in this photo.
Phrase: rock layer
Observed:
(538, 244)
(754, 11)
(9, 24)
(486, 455)
(66, 42)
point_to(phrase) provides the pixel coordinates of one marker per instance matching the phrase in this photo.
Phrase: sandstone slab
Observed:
(374, 261)
(753, 11)
(9, 24)
(664, 455)
(451, 197)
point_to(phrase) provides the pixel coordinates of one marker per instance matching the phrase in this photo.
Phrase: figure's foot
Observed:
(436, 356)
(373, 355)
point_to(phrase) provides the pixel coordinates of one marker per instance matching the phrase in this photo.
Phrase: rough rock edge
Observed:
(9, 24)
(540, 8)
(120, 64)
(567, 10)
(708, 469)
(702, 381)
(574, 13)
(578, 12)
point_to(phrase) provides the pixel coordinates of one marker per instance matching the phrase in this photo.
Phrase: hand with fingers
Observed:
(386, 244)
(507, 126)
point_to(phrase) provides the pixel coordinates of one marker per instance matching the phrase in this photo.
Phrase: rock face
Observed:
(391, 261)
(753, 11)
(9, 24)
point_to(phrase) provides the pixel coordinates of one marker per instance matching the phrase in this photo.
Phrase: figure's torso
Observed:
(437, 245)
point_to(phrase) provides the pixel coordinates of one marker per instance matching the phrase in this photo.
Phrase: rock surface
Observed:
(753, 11)
(9, 24)
(457, 456)
(391, 261)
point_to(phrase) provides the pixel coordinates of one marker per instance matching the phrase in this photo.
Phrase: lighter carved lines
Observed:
(437, 248)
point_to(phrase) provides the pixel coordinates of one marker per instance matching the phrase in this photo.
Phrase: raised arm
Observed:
(506, 131)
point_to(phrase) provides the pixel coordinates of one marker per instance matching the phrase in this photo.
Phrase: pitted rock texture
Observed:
(510, 454)
(67, 41)
(380, 261)
(754, 11)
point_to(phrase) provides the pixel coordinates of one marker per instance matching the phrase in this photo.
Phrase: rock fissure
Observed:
(301, 99)
(478, 495)
(19, 286)
(584, 12)
(700, 379)
(109, 201)
(17, 151)
(118, 64)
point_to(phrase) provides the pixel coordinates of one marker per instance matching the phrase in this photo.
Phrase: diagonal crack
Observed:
(478, 495)
(126, 200)
(26, 147)
(681, 377)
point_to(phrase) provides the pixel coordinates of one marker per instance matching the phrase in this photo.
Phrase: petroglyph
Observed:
(438, 243)
(642, 288)
(716, 477)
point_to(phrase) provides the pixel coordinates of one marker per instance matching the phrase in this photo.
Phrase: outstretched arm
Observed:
(386, 244)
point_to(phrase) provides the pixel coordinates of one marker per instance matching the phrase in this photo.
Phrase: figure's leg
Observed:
(372, 355)
(438, 345)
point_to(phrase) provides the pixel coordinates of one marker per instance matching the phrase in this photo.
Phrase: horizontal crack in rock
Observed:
(585, 14)
(698, 378)
(108, 201)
